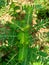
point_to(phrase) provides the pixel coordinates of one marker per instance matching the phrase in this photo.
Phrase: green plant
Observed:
(2, 3)
(18, 41)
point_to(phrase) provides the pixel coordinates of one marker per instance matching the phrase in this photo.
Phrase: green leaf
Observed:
(43, 54)
(37, 63)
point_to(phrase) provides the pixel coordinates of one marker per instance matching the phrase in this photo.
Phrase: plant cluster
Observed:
(18, 41)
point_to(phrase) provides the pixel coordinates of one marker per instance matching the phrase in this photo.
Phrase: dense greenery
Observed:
(19, 44)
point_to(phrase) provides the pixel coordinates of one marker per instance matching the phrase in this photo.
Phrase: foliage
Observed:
(18, 40)
(2, 3)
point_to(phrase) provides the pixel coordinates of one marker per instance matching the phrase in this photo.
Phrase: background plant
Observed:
(18, 41)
